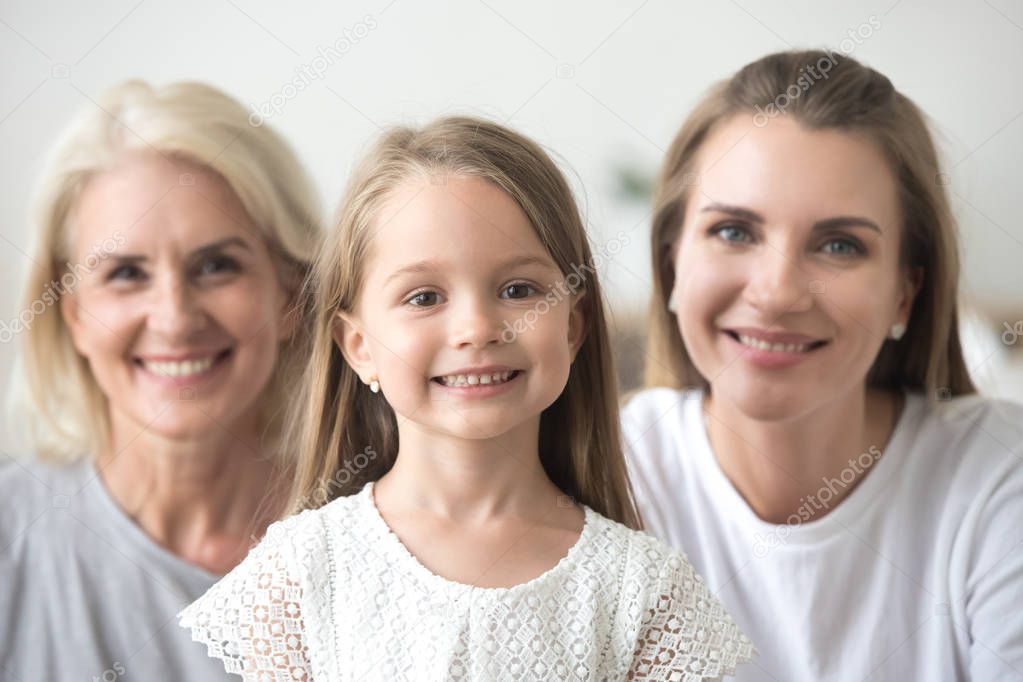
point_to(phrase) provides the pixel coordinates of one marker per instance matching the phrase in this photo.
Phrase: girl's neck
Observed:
(776, 466)
(468, 480)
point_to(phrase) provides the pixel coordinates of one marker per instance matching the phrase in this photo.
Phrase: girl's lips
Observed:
(480, 390)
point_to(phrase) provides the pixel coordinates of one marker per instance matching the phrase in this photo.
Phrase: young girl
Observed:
(461, 415)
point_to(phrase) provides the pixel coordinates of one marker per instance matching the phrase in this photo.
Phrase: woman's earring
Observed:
(898, 329)
(672, 303)
(374, 385)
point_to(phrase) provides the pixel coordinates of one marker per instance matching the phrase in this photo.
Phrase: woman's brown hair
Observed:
(855, 98)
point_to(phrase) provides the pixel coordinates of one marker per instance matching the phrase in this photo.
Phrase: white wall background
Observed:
(605, 84)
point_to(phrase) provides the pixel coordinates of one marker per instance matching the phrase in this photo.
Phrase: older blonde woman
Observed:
(158, 344)
(816, 444)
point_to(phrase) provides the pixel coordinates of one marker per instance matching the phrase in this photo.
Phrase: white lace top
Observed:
(333, 594)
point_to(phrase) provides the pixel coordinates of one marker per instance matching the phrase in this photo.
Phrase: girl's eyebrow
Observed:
(425, 266)
(820, 225)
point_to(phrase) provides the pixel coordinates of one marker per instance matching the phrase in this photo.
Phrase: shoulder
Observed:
(643, 557)
(30, 478)
(646, 407)
(974, 440)
(967, 419)
(670, 622)
(31, 488)
(654, 420)
(304, 540)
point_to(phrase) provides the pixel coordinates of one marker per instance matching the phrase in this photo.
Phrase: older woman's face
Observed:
(791, 236)
(181, 318)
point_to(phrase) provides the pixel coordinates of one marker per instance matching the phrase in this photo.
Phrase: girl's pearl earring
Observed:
(672, 303)
(374, 385)
(898, 329)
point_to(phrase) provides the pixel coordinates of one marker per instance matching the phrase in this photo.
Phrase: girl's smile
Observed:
(452, 264)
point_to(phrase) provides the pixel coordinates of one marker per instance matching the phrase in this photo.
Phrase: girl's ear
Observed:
(576, 325)
(352, 342)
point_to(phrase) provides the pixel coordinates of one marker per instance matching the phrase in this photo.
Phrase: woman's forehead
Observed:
(790, 174)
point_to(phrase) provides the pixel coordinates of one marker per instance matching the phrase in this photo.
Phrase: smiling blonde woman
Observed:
(810, 434)
(158, 346)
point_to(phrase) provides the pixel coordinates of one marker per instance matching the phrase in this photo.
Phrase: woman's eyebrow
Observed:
(221, 244)
(820, 225)
(215, 246)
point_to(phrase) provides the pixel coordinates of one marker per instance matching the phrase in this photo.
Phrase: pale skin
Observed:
(777, 432)
(190, 278)
(467, 496)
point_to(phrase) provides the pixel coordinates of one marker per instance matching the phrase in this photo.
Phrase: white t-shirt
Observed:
(332, 594)
(916, 575)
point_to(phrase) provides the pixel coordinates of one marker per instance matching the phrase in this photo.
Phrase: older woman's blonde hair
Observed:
(345, 434)
(852, 98)
(58, 402)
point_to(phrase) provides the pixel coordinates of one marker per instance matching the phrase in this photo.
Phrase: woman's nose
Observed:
(777, 284)
(174, 309)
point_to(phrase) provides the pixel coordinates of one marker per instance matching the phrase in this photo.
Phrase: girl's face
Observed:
(458, 289)
(792, 236)
(180, 311)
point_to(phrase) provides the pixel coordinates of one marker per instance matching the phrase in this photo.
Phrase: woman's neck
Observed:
(778, 466)
(206, 500)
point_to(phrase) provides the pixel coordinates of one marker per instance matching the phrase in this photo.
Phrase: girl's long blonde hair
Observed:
(346, 435)
(856, 99)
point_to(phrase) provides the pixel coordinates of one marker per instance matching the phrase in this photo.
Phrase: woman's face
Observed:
(180, 310)
(790, 236)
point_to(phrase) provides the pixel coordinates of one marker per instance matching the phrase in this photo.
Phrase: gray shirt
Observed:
(85, 594)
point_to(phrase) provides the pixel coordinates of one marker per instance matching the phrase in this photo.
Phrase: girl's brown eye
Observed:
(520, 289)
(423, 299)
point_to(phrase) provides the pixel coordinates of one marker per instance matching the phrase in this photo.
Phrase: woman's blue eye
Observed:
(854, 249)
(522, 289)
(726, 232)
(423, 299)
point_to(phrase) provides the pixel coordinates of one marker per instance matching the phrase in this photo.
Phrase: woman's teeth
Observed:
(476, 379)
(180, 369)
(774, 347)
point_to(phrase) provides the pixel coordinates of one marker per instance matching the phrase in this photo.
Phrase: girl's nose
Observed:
(475, 324)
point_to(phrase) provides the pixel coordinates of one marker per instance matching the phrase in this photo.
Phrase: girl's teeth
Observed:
(180, 369)
(475, 379)
(774, 347)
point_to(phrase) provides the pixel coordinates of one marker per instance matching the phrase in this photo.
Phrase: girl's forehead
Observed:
(466, 222)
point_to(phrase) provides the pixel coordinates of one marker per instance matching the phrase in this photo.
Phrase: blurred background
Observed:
(605, 85)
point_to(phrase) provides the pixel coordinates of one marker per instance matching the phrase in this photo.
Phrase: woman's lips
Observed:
(189, 370)
(775, 356)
